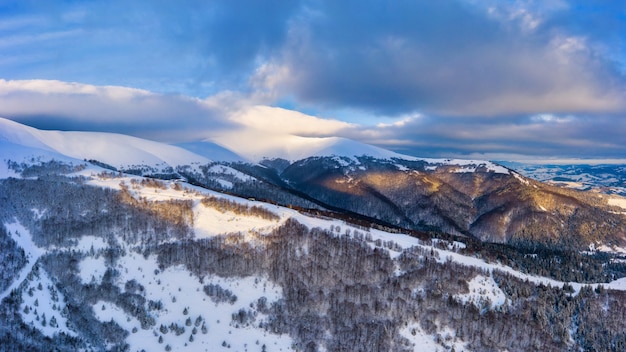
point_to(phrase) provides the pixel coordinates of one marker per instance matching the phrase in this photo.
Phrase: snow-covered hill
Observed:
(469, 197)
(126, 152)
(97, 260)
(265, 145)
(117, 150)
(141, 264)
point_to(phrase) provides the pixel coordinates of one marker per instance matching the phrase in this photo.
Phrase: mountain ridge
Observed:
(72, 144)
(243, 256)
(465, 197)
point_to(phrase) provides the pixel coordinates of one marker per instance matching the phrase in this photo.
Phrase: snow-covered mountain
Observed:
(126, 152)
(117, 150)
(465, 197)
(97, 260)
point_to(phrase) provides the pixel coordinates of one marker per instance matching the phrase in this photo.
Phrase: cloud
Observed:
(232, 117)
(459, 57)
(51, 104)
(537, 136)
(445, 58)
(191, 47)
(423, 77)
(73, 106)
(282, 121)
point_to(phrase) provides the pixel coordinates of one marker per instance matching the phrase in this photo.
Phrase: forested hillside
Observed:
(103, 261)
(470, 198)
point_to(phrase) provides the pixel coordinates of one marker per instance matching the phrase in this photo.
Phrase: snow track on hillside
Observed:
(24, 240)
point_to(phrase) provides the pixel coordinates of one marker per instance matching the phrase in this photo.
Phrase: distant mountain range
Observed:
(115, 243)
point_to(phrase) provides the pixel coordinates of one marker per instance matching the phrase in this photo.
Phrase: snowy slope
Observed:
(209, 223)
(113, 149)
(255, 146)
(124, 151)
(212, 325)
(211, 151)
(20, 153)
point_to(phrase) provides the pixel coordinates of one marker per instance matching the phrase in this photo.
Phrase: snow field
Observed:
(178, 290)
(42, 305)
(114, 149)
(619, 202)
(24, 240)
(421, 341)
(227, 170)
(87, 243)
(186, 305)
(484, 293)
(207, 222)
(92, 269)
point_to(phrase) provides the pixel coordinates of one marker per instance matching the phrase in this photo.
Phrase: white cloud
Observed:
(283, 121)
(46, 87)
(232, 117)
(403, 121)
(66, 105)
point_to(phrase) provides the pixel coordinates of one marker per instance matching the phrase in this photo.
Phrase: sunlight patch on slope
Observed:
(209, 222)
(618, 202)
(401, 240)
(520, 179)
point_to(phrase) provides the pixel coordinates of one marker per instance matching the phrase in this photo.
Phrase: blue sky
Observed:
(498, 79)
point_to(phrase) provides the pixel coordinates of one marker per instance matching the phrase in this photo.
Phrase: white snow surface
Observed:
(92, 269)
(113, 149)
(483, 292)
(520, 178)
(227, 170)
(211, 151)
(24, 240)
(179, 291)
(619, 202)
(87, 243)
(293, 148)
(255, 146)
(45, 305)
(13, 152)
